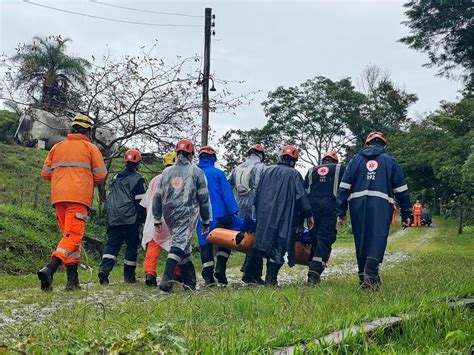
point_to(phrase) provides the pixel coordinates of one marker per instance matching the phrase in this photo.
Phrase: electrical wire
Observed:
(147, 11)
(109, 19)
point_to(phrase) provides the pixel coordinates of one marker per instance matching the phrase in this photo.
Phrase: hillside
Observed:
(28, 230)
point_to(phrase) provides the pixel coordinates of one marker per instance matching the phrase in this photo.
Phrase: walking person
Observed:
(74, 167)
(281, 206)
(224, 209)
(125, 218)
(321, 184)
(181, 198)
(370, 183)
(244, 180)
(417, 211)
(152, 241)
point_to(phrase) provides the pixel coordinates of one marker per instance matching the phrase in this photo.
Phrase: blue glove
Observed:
(249, 225)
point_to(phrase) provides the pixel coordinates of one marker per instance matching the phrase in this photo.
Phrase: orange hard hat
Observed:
(258, 147)
(290, 151)
(375, 135)
(133, 156)
(185, 145)
(207, 149)
(331, 154)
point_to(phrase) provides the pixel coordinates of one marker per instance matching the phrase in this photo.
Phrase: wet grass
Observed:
(254, 319)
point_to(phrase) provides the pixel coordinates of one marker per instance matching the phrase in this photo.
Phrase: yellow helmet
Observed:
(82, 120)
(169, 159)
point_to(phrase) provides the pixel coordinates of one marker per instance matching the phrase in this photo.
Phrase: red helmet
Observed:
(374, 135)
(185, 145)
(258, 147)
(290, 151)
(331, 154)
(207, 149)
(133, 156)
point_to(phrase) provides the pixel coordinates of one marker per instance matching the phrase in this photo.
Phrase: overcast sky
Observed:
(266, 43)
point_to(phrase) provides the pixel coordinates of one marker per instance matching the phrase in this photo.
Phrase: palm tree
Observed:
(44, 67)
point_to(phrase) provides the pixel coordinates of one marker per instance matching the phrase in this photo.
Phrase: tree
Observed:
(445, 30)
(236, 143)
(45, 68)
(146, 103)
(8, 124)
(435, 155)
(384, 109)
(314, 116)
(140, 101)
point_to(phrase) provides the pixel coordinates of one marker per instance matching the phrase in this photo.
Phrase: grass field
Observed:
(424, 268)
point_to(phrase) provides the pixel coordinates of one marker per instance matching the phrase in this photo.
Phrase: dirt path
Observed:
(20, 307)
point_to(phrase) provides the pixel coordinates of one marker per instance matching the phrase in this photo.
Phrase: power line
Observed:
(148, 11)
(110, 19)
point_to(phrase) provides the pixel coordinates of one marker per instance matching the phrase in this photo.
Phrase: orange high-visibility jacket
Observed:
(74, 166)
(417, 209)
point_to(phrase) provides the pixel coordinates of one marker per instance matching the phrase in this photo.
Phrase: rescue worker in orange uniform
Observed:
(125, 217)
(74, 167)
(152, 241)
(417, 211)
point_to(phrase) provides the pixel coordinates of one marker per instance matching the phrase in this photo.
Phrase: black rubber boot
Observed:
(188, 274)
(166, 281)
(221, 268)
(72, 278)
(252, 269)
(150, 280)
(315, 271)
(129, 274)
(45, 275)
(271, 277)
(371, 275)
(207, 260)
(361, 267)
(208, 276)
(103, 277)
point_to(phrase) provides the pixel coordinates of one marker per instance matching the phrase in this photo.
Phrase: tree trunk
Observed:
(461, 215)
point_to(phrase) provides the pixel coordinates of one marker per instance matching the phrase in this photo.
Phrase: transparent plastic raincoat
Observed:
(181, 197)
(244, 180)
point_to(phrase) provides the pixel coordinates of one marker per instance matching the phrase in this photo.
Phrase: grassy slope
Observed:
(260, 319)
(28, 231)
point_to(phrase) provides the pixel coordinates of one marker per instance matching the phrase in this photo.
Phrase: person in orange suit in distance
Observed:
(417, 212)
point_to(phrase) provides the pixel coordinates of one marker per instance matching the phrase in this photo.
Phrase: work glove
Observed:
(249, 225)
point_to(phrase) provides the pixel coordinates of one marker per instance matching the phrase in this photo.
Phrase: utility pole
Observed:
(205, 80)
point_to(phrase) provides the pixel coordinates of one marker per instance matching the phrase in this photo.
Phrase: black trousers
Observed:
(323, 234)
(116, 236)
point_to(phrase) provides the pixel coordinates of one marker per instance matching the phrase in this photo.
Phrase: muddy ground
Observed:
(18, 308)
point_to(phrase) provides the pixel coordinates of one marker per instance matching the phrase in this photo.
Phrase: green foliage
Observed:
(155, 338)
(321, 115)
(255, 319)
(443, 29)
(45, 67)
(436, 157)
(8, 125)
(237, 142)
(27, 238)
(314, 115)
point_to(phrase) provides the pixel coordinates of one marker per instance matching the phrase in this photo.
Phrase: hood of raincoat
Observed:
(207, 160)
(372, 150)
(182, 160)
(223, 202)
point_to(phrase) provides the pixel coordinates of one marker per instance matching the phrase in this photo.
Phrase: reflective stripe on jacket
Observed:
(74, 166)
